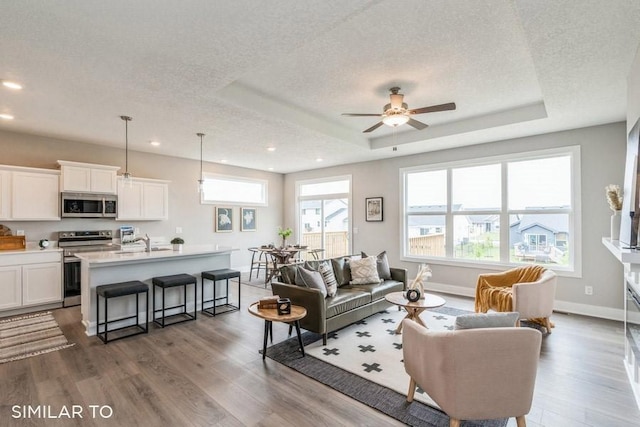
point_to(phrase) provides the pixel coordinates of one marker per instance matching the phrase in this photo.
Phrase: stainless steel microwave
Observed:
(89, 205)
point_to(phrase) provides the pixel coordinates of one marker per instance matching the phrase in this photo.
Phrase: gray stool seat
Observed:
(215, 276)
(175, 280)
(115, 290)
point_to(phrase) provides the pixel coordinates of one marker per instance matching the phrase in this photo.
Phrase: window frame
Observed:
(263, 182)
(574, 269)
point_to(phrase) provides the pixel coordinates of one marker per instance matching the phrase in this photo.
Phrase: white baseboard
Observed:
(560, 306)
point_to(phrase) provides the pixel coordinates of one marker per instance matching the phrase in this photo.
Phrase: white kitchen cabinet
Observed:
(10, 287)
(87, 177)
(35, 196)
(30, 279)
(143, 200)
(39, 284)
(5, 194)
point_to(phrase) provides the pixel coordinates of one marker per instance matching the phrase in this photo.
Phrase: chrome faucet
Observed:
(146, 240)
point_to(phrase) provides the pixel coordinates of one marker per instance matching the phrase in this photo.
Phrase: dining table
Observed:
(280, 257)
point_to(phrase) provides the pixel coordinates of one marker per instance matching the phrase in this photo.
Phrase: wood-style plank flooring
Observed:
(209, 373)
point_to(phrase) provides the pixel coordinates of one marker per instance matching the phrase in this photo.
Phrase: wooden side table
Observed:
(271, 315)
(414, 308)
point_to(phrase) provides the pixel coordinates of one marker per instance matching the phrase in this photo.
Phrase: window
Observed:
(234, 190)
(510, 210)
(324, 207)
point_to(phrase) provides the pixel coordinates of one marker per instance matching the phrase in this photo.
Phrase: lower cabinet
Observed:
(30, 279)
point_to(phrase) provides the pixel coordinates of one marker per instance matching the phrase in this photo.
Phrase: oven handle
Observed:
(69, 260)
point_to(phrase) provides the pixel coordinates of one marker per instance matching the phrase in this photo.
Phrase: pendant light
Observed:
(201, 180)
(126, 176)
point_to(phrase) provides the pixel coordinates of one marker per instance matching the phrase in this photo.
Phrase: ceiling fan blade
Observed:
(434, 108)
(416, 124)
(372, 128)
(361, 115)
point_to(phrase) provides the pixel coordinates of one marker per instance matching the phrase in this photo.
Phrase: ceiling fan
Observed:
(397, 113)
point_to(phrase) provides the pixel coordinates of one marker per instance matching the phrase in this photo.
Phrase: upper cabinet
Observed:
(29, 194)
(87, 178)
(143, 199)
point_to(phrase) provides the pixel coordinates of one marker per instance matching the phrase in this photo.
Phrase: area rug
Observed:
(364, 361)
(26, 336)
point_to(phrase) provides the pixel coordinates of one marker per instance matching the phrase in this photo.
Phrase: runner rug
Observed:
(364, 361)
(26, 336)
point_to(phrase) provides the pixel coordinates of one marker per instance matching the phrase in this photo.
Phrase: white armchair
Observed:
(474, 374)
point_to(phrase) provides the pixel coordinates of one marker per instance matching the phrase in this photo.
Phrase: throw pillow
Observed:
(288, 274)
(364, 271)
(382, 264)
(342, 270)
(487, 320)
(329, 279)
(310, 279)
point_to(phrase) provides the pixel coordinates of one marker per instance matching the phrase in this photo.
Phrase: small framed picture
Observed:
(247, 219)
(224, 220)
(374, 209)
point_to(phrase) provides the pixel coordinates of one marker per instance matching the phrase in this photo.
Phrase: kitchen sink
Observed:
(140, 251)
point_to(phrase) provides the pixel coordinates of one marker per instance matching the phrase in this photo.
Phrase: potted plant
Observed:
(284, 233)
(177, 243)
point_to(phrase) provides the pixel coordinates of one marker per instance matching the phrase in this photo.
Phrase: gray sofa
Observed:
(350, 304)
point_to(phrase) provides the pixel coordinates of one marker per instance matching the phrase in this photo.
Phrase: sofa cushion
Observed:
(345, 300)
(288, 274)
(364, 271)
(310, 279)
(324, 268)
(488, 320)
(378, 290)
(382, 263)
(342, 270)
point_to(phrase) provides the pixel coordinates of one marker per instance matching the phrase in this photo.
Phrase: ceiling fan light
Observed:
(396, 100)
(393, 120)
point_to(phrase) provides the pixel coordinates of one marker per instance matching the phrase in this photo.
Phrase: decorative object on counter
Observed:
(284, 233)
(614, 198)
(284, 306)
(177, 243)
(424, 274)
(126, 175)
(413, 295)
(224, 220)
(4, 230)
(247, 219)
(373, 209)
(43, 243)
(11, 243)
(201, 179)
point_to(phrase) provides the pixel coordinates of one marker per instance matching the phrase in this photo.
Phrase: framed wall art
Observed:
(247, 219)
(374, 209)
(224, 220)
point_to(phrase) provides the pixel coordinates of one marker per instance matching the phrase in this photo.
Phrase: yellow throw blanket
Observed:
(493, 291)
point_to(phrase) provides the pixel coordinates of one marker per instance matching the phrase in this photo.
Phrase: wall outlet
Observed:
(19, 232)
(588, 290)
(178, 230)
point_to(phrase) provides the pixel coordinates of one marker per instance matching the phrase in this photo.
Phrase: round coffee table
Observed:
(271, 315)
(414, 308)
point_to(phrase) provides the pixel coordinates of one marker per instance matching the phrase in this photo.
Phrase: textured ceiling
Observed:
(256, 74)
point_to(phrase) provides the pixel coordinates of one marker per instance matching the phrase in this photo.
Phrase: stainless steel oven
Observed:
(632, 329)
(74, 242)
(88, 205)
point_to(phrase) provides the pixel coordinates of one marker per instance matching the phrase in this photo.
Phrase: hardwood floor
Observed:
(209, 372)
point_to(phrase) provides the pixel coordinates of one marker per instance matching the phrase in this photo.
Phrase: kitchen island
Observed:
(100, 268)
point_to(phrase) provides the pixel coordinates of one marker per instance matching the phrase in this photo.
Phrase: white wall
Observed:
(185, 210)
(602, 159)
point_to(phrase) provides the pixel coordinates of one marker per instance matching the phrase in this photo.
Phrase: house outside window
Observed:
(500, 211)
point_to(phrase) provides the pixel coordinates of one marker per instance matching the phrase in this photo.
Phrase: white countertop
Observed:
(32, 247)
(163, 252)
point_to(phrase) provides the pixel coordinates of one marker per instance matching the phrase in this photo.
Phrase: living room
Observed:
(601, 138)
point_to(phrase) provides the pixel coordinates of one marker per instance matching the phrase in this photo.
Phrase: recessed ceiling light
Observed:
(6, 116)
(154, 143)
(11, 85)
(271, 148)
(319, 159)
(223, 161)
(270, 169)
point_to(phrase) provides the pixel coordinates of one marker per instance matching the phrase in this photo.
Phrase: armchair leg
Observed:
(454, 423)
(547, 324)
(412, 390)
(521, 421)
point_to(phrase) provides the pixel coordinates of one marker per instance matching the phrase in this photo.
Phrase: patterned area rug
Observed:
(26, 336)
(364, 361)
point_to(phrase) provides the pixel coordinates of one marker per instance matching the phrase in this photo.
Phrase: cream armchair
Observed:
(529, 290)
(473, 374)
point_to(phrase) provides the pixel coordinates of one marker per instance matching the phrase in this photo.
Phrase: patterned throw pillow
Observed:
(383, 265)
(329, 278)
(364, 271)
(311, 279)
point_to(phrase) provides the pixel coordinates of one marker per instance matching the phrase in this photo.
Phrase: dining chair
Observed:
(258, 261)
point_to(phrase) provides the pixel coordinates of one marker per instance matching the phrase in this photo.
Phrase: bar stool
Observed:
(215, 276)
(173, 281)
(115, 290)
